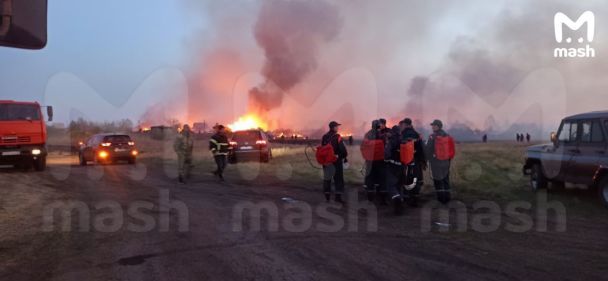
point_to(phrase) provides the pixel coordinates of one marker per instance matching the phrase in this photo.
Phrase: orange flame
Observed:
(249, 121)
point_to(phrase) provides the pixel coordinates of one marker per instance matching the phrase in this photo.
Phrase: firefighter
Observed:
(413, 171)
(219, 146)
(393, 168)
(380, 166)
(183, 146)
(383, 129)
(440, 169)
(374, 172)
(334, 171)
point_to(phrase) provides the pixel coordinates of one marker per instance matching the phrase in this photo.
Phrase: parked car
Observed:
(108, 148)
(577, 154)
(249, 145)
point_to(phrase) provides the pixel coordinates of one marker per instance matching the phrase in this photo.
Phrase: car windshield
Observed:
(117, 139)
(246, 136)
(13, 112)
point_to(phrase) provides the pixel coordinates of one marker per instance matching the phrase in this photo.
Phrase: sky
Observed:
(485, 64)
(112, 46)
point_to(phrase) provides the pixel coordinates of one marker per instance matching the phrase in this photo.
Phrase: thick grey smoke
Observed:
(291, 34)
(408, 48)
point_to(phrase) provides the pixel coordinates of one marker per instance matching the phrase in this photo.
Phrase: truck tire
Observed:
(40, 164)
(603, 191)
(538, 180)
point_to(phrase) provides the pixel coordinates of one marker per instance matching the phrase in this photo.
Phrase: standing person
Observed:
(383, 129)
(528, 137)
(382, 191)
(394, 169)
(334, 171)
(373, 169)
(218, 145)
(350, 140)
(183, 146)
(413, 171)
(440, 169)
(485, 138)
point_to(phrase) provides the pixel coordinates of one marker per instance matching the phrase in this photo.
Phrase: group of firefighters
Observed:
(184, 145)
(395, 159)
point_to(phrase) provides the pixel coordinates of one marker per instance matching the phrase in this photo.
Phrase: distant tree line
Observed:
(82, 128)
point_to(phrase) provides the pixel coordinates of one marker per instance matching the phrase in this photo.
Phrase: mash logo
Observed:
(559, 21)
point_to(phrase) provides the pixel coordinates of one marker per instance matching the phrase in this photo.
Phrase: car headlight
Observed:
(103, 154)
(36, 151)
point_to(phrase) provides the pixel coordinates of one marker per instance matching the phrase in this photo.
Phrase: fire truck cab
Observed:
(23, 134)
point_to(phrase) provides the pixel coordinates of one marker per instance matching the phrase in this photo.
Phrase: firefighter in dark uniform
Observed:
(334, 171)
(373, 169)
(440, 169)
(383, 134)
(219, 146)
(393, 168)
(413, 171)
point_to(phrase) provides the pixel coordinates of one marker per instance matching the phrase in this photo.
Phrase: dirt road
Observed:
(211, 249)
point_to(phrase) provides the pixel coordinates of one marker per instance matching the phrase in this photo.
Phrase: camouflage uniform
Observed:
(183, 146)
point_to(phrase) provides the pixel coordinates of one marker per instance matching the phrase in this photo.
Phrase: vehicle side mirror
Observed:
(49, 113)
(23, 23)
(554, 138)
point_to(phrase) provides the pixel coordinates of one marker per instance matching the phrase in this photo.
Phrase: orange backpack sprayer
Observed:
(325, 154)
(445, 149)
(406, 151)
(372, 150)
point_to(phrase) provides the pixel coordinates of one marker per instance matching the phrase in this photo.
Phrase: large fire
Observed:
(249, 121)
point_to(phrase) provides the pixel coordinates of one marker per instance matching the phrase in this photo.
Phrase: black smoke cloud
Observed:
(291, 34)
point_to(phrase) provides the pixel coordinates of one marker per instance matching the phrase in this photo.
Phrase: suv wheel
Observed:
(537, 178)
(603, 191)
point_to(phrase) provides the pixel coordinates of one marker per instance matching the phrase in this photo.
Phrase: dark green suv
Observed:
(577, 155)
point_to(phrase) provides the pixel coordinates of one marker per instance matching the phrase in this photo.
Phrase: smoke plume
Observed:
(290, 34)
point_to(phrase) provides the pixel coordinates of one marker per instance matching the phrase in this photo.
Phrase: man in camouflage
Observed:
(183, 146)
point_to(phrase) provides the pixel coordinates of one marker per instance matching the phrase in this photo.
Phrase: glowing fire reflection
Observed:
(249, 121)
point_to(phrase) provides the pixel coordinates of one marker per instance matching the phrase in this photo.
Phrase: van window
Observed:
(586, 133)
(596, 132)
(592, 132)
(569, 132)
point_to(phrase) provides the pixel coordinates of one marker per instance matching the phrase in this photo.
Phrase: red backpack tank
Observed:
(372, 150)
(325, 154)
(406, 151)
(445, 149)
